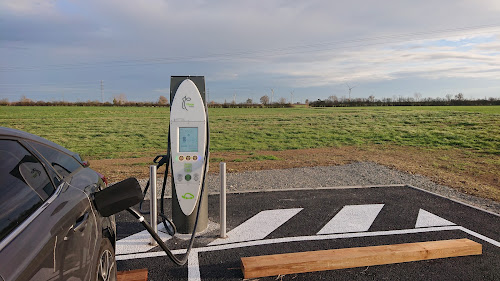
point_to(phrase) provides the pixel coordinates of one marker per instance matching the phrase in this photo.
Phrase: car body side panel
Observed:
(49, 248)
(89, 182)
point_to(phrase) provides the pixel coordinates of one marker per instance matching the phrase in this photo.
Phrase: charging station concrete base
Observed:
(185, 224)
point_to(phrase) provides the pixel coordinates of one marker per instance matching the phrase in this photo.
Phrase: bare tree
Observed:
(448, 97)
(417, 96)
(264, 100)
(282, 100)
(371, 98)
(162, 100)
(459, 96)
(24, 99)
(249, 101)
(119, 99)
(333, 98)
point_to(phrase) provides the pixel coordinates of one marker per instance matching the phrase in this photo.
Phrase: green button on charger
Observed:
(188, 177)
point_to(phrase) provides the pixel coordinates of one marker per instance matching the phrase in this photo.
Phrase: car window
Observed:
(63, 163)
(24, 184)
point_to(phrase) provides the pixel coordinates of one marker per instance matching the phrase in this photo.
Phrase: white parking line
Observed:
(193, 264)
(291, 239)
(139, 242)
(480, 236)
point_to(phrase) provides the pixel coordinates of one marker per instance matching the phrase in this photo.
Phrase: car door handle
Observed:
(81, 222)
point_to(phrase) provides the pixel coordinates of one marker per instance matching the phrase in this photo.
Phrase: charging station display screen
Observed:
(188, 139)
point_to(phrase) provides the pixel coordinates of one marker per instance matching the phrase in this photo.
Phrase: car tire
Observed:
(106, 263)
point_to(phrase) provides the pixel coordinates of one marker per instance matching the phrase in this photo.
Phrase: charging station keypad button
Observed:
(188, 158)
(181, 158)
(195, 158)
(179, 177)
(196, 177)
(188, 177)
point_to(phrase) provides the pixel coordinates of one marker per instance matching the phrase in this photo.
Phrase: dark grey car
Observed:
(49, 227)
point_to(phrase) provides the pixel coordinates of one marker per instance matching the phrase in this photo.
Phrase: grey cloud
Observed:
(302, 43)
(46, 30)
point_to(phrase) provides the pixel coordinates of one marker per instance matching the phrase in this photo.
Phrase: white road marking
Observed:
(454, 200)
(426, 219)
(352, 218)
(139, 242)
(148, 255)
(193, 267)
(193, 262)
(258, 226)
(352, 214)
(294, 239)
(480, 236)
(310, 238)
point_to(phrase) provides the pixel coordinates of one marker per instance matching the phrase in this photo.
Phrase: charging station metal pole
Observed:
(222, 200)
(152, 202)
(185, 223)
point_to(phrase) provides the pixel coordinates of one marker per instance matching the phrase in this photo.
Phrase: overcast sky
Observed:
(54, 50)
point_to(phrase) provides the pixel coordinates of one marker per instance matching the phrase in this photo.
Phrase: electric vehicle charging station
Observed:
(189, 151)
(187, 155)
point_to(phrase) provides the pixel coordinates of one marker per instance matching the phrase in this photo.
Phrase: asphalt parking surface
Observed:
(262, 223)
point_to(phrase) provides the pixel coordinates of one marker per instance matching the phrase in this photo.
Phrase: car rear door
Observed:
(79, 249)
(43, 227)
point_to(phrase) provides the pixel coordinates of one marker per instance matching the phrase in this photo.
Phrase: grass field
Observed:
(455, 146)
(116, 132)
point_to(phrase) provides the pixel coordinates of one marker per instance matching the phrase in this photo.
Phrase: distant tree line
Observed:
(458, 99)
(118, 100)
(264, 102)
(121, 100)
(331, 101)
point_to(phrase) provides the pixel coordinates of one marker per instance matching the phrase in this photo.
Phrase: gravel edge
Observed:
(354, 174)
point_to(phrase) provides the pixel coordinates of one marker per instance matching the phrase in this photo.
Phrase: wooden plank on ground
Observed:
(261, 266)
(132, 275)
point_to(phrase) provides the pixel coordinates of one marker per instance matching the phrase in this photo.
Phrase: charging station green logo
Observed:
(188, 196)
(186, 104)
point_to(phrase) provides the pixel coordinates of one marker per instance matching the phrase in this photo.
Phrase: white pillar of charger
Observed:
(188, 144)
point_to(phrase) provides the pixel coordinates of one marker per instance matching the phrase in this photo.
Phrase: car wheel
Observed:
(106, 264)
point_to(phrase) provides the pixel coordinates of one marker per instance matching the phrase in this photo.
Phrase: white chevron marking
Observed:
(426, 219)
(258, 226)
(352, 218)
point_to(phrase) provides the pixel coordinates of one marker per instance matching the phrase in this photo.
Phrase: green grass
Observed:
(264, 157)
(111, 132)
